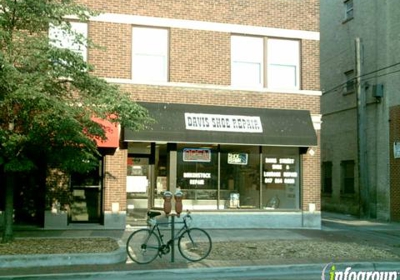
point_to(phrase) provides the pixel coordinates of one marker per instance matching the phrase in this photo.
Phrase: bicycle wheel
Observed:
(143, 246)
(194, 244)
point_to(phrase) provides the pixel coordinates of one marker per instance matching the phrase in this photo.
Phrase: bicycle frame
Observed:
(186, 236)
(156, 228)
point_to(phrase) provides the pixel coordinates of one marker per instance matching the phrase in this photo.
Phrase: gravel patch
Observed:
(30, 246)
(298, 249)
(269, 250)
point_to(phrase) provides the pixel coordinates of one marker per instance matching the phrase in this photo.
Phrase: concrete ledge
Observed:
(117, 256)
(266, 220)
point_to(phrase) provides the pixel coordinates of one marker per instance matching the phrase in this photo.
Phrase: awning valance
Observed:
(182, 123)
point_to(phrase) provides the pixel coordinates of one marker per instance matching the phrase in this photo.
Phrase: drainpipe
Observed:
(361, 136)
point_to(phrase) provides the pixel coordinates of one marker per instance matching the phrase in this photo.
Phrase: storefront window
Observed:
(281, 178)
(197, 176)
(240, 177)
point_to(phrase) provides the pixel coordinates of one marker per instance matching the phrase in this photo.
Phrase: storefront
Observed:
(237, 167)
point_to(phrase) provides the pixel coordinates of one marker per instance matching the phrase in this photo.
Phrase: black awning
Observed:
(182, 123)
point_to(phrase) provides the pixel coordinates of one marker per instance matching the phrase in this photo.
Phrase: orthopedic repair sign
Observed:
(227, 123)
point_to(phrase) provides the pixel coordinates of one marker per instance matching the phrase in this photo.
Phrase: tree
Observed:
(49, 96)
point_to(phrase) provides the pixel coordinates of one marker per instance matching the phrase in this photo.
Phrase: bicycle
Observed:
(144, 245)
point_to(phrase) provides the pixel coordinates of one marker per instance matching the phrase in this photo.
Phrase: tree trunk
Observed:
(9, 208)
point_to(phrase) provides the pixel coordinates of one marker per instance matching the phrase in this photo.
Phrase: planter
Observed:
(55, 220)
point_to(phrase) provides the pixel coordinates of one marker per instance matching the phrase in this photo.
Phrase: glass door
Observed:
(86, 197)
(138, 185)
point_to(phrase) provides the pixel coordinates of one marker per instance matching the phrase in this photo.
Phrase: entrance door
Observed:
(86, 203)
(138, 186)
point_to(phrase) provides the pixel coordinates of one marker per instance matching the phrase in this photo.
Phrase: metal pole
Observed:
(172, 238)
(361, 136)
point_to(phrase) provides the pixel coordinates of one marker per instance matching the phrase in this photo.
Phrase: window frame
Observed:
(296, 64)
(66, 40)
(348, 10)
(263, 58)
(147, 50)
(346, 188)
(350, 84)
(249, 57)
(327, 178)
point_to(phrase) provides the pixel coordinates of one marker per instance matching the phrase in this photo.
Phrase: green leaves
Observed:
(48, 94)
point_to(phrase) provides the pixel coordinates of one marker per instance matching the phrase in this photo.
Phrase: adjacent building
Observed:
(360, 105)
(234, 89)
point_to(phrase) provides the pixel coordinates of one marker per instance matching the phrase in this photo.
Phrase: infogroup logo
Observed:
(330, 272)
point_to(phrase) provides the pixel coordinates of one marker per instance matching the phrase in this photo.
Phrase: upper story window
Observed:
(68, 40)
(247, 61)
(283, 58)
(348, 9)
(265, 62)
(350, 82)
(149, 54)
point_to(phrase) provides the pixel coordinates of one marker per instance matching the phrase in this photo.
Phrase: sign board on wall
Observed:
(196, 155)
(226, 123)
(238, 158)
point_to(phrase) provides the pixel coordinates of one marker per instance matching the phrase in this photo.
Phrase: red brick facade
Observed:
(200, 66)
(394, 164)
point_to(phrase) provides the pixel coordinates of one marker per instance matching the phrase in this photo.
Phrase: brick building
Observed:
(234, 89)
(360, 107)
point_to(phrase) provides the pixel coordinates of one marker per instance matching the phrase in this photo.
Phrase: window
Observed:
(349, 11)
(347, 167)
(283, 63)
(69, 40)
(350, 82)
(239, 177)
(257, 62)
(247, 61)
(327, 177)
(198, 176)
(149, 54)
(281, 178)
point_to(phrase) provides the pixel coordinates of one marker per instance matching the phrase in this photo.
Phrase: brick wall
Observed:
(115, 179)
(203, 57)
(223, 97)
(311, 171)
(113, 59)
(394, 164)
(288, 14)
(310, 65)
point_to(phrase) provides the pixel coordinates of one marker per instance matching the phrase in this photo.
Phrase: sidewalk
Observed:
(335, 228)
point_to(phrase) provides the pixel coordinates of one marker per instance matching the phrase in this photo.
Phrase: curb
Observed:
(290, 271)
(24, 261)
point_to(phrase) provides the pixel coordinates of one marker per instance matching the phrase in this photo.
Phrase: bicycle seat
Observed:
(152, 214)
